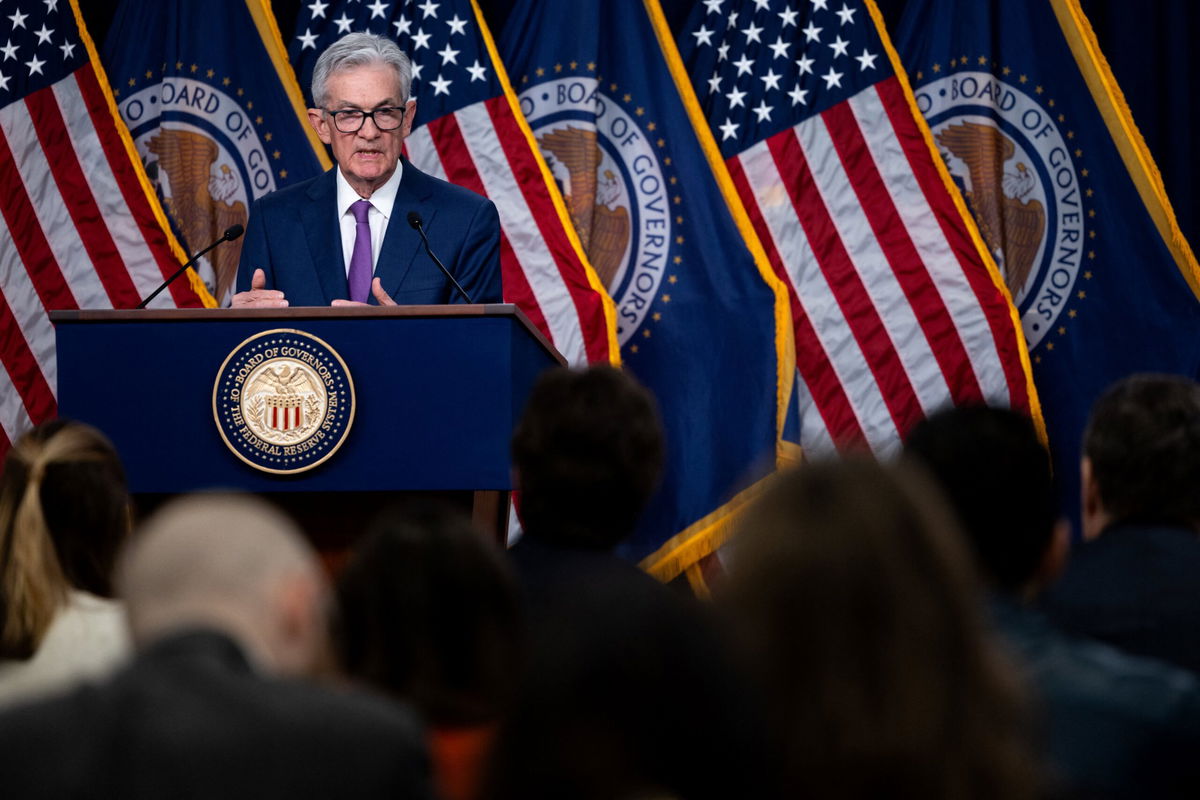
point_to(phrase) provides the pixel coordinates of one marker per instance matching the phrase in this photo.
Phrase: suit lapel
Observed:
(401, 243)
(325, 237)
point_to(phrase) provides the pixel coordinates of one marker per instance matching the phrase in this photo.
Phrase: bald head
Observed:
(228, 562)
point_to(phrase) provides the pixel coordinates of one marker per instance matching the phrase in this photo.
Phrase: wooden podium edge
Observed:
(307, 312)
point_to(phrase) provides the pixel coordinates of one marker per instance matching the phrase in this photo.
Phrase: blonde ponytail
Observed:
(33, 585)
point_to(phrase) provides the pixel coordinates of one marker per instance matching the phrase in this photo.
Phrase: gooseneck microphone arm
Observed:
(414, 221)
(231, 233)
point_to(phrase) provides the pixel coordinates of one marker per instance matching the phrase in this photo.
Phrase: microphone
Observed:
(231, 233)
(414, 221)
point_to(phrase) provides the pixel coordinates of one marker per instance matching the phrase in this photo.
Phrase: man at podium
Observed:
(353, 234)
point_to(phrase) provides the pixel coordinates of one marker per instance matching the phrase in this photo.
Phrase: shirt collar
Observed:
(383, 198)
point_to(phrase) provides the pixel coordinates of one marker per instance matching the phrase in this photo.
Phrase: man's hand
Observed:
(258, 296)
(381, 297)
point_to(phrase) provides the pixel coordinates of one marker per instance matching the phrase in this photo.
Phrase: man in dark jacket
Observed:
(226, 605)
(1113, 725)
(1134, 582)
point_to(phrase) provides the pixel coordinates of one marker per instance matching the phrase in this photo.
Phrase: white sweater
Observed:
(87, 640)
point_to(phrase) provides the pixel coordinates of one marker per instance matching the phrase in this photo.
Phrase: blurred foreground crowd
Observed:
(919, 628)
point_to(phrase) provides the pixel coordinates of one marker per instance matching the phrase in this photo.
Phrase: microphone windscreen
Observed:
(233, 232)
(414, 219)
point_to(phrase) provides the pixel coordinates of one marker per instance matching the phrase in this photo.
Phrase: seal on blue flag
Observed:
(1014, 163)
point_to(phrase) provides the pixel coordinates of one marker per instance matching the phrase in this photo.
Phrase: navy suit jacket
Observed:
(1112, 725)
(191, 718)
(1136, 587)
(294, 237)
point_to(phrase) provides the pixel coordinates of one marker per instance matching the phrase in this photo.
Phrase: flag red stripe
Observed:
(28, 236)
(902, 256)
(452, 151)
(23, 369)
(846, 284)
(51, 131)
(812, 361)
(460, 169)
(589, 305)
(994, 307)
(517, 289)
(131, 187)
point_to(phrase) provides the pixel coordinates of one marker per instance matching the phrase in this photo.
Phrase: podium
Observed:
(429, 400)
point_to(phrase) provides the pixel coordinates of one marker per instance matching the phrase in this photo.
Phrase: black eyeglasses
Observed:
(351, 120)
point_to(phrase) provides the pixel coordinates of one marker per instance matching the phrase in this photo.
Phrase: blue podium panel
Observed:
(437, 391)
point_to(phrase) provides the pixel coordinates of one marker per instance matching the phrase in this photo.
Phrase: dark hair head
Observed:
(628, 693)
(64, 512)
(587, 452)
(859, 600)
(430, 613)
(995, 472)
(1143, 441)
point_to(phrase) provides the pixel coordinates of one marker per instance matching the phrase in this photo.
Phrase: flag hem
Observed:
(1118, 118)
(708, 533)
(194, 281)
(560, 206)
(1035, 406)
(784, 343)
(702, 537)
(695, 579)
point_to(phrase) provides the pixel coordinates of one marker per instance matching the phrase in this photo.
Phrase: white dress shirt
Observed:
(382, 200)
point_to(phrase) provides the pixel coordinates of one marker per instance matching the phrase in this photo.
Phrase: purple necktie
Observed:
(359, 278)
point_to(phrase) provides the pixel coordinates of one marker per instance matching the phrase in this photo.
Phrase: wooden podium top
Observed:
(307, 312)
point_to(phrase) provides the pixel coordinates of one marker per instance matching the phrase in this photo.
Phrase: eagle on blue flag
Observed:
(1032, 125)
(215, 113)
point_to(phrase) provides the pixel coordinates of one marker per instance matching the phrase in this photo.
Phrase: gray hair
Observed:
(357, 50)
(209, 558)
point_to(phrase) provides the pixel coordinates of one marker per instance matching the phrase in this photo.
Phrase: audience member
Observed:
(430, 614)
(64, 511)
(628, 693)
(1113, 725)
(586, 454)
(1134, 582)
(628, 690)
(859, 603)
(227, 605)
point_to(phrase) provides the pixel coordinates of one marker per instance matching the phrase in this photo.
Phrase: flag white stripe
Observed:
(50, 209)
(131, 244)
(814, 436)
(922, 225)
(517, 219)
(27, 308)
(13, 416)
(834, 186)
(821, 307)
(423, 153)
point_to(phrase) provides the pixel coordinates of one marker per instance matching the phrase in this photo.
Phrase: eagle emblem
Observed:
(592, 200)
(1012, 225)
(201, 202)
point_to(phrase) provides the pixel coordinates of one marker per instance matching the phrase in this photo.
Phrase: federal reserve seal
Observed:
(1008, 151)
(605, 158)
(283, 401)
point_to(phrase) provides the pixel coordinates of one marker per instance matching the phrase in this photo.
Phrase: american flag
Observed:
(896, 306)
(470, 132)
(81, 225)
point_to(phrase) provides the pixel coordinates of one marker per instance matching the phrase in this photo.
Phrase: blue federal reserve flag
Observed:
(702, 320)
(1035, 131)
(215, 112)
